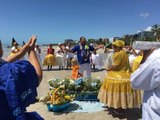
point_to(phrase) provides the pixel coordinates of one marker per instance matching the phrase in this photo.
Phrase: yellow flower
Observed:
(58, 96)
(67, 97)
(86, 47)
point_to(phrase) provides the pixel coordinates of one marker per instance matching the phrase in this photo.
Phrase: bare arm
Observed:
(113, 67)
(29, 46)
(20, 54)
(34, 60)
(98, 47)
(67, 50)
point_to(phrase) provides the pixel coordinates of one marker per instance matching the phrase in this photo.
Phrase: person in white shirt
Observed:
(147, 78)
(37, 49)
(69, 56)
(96, 61)
(60, 56)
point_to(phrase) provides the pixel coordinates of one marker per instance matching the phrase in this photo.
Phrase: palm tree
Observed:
(156, 32)
(127, 39)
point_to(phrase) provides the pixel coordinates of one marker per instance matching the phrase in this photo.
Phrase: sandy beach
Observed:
(129, 76)
(134, 114)
(131, 114)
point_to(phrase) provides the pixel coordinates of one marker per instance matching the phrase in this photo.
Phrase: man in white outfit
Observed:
(147, 78)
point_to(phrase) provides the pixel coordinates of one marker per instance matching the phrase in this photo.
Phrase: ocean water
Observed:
(7, 51)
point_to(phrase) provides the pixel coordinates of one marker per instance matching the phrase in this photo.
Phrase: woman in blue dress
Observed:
(18, 82)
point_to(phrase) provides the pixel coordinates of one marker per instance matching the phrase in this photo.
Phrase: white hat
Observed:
(145, 45)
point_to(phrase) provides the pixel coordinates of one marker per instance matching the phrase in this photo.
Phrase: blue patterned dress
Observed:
(18, 83)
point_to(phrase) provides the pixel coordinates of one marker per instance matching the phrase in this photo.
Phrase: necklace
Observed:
(84, 52)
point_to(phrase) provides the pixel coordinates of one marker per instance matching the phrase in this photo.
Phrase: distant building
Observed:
(145, 34)
(106, 40)
(69, 41)
(116, 38)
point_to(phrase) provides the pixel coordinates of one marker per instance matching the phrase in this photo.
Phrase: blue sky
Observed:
(55, 20)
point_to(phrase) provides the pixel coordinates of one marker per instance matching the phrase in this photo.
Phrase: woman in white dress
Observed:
(96, 60)
(69, 56)
(60, 57)
(37, 49)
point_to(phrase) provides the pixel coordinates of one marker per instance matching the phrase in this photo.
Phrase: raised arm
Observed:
(67, 50)
(20, 54)
(99, 46)
(33, 58)
(28, 47)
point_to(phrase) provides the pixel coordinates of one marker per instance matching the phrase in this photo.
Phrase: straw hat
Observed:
(118, 43)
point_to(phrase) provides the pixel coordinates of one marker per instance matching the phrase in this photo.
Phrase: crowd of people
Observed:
(85, 55)
(128, 71)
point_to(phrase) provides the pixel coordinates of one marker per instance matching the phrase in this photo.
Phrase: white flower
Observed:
(98, 78)
(93, 84)
(72, 82)
(60, 83)
(86, 47)
(62, 86)
(63, 80)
